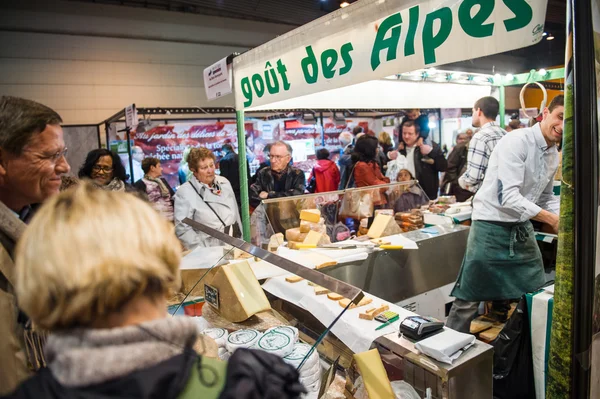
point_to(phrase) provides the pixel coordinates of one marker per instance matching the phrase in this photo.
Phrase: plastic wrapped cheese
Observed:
(218, 334)
(277, 343)
(242, 339)
(291, 331)
(299, 353)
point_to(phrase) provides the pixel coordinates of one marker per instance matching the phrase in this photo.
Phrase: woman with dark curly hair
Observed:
(366, 168)
(105, 169)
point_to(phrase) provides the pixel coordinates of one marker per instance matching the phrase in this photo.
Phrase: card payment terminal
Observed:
(419, 327)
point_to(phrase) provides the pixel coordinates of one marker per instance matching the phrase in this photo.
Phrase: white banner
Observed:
(372, 39)
(217, 80)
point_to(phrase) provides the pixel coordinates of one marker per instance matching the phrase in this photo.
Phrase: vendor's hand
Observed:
(426, 149)
(400, 146)
(392, 155)
(264, 195)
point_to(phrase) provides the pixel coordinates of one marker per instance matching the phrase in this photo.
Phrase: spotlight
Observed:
(550, 37)
(344, 4)
(542, 72)
(497, 76)
(545, 34)
(510, 76)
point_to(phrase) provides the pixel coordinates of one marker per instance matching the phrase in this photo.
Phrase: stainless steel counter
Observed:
(395, 275)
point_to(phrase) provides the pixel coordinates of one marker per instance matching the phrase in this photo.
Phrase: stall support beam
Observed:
(502, 95)
(243, 165)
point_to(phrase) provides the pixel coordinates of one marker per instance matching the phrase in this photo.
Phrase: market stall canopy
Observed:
(372, 39)
(386, 94)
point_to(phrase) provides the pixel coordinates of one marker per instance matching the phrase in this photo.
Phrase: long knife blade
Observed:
(332, 284)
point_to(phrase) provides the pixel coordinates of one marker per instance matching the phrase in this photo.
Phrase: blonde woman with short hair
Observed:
(94, 268)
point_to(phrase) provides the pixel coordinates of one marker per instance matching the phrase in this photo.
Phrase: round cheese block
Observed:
(289, 330)
(299, 353)
(242, 339)
(313, 379)
(218, 334)
(309, 372)
(277, 343)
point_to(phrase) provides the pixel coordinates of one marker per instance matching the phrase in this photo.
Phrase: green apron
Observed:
(502, 261)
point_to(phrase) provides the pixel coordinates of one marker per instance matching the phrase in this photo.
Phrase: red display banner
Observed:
(168, 142)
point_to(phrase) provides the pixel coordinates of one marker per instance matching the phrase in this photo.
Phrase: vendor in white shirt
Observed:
(503, 260)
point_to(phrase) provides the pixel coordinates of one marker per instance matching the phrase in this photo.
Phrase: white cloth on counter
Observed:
(446, 346)
(356, 333)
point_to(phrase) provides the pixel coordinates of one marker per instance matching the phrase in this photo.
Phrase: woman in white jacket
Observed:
(206, 198)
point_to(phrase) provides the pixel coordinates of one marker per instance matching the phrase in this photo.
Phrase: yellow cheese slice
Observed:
(310, 215)
(314, 238)
(383, 226)
(374, 376)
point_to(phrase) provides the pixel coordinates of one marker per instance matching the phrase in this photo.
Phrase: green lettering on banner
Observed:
(474, 26)
(523, 14)
(345, 50)
(393, 23)
(430, 41)
(413, 23)
(310, 61)
(246, 91)
(328, 60)
(258, 85)
(271, 81)
(283, 73)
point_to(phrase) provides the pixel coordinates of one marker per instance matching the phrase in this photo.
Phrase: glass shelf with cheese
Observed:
(337, 215)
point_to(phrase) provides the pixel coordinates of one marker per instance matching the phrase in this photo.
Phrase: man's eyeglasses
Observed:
(56, 156)
(103, 169)
(278, 157)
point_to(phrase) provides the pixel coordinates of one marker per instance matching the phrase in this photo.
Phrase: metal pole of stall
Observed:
(585, 159)
(243, 165)
(128, 136)
(502, 101)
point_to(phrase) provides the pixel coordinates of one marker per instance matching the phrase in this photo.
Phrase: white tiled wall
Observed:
(88, 61)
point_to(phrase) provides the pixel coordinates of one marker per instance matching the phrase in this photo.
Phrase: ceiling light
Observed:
(497, 76)
(545, 34)
(550, 37)
(510, 76)
(543, 72)
(344, 4)
(431, 71)
(432, 125)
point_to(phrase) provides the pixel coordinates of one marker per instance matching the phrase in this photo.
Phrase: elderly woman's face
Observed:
(205, 172)
(102, 172)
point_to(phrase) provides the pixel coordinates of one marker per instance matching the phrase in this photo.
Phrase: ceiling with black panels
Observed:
(547, 53)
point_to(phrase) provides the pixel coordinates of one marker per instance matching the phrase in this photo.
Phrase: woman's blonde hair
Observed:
(199, 154)
(385, 138)
(88, 252)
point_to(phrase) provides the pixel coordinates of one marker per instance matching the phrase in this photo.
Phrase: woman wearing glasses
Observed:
(206, 198)
(105, 169)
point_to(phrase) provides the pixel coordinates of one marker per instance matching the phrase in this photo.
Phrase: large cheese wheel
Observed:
(277, 343)
(289, 330)
(299, 353)
(242, 339)
(218, 334)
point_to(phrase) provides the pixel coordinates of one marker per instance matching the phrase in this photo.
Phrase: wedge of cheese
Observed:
(240, 295)
(293, 279)
(295, 235)
(314, 238)
(365, 301)
(275, 241)
(383, 226)
(334, 296)
(374, 376)
(304, 226)
(310, 215)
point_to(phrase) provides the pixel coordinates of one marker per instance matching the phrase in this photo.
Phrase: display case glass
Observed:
(343, 213)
